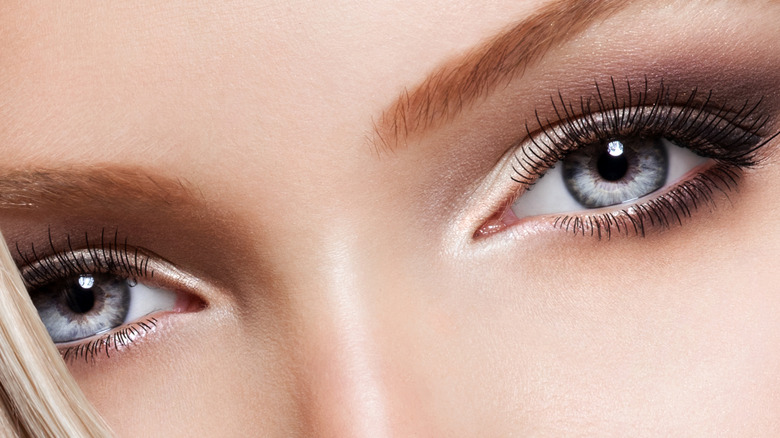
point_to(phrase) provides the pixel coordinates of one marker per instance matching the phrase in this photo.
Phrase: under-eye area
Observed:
(102, 297)
(630, 159)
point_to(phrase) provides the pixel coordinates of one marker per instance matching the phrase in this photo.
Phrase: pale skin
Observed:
(345, 291)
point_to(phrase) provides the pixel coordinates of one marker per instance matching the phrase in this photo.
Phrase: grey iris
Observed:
(616, 171)
(82, 306)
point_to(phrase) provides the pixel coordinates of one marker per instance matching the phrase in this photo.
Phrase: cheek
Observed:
(585, 352)
(557, 333)
(194, 373)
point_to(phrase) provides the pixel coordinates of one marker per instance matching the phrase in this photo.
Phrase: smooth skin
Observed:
(345, 293)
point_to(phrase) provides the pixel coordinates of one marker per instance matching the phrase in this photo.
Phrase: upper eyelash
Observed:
(108, 255)
(728, 133)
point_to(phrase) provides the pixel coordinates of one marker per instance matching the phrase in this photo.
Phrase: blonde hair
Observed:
(38, 396)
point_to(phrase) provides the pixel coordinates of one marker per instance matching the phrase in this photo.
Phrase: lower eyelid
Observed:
(110, 344)
(663, 210)
(116, 340)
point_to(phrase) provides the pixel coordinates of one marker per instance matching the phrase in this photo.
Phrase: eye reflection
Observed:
(613, 164)
(86, 281)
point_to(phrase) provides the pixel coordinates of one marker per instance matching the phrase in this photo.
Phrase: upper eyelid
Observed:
(109, 254)
(113, 258)
(631, 113)
(603, 122)
(42, 270)
(628, 103)
(508, 56)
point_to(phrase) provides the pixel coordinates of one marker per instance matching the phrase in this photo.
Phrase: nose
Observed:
(346, 395)
(345, 378)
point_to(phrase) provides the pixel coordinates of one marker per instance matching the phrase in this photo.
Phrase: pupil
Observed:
(612, 167)
(80, 300)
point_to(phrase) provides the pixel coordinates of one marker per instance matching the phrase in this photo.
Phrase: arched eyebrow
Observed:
(457, 84)
(91, 188)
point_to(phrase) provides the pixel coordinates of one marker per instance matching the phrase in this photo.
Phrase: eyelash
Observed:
(663, 211)
(731, 135)
(105, 256)
(108, 256)
(117, 338)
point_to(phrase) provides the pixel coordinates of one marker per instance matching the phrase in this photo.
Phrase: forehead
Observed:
(199, 83)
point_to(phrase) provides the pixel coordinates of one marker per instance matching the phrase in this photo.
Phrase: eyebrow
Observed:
(457, 84)
(91, 187)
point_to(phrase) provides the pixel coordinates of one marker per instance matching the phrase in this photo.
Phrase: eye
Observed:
(84, 305)
(102, 298)
(608, 174)
(631, 161)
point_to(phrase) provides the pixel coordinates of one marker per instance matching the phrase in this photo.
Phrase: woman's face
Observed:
(327, 191)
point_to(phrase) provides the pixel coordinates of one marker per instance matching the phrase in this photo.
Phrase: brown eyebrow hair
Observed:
(90, 186)
(450, 88)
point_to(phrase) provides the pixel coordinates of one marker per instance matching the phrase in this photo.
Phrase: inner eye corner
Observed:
(491, 226)
(499, 216)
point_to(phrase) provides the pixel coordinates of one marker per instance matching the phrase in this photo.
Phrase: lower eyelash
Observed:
(661, 212)
(115, 341)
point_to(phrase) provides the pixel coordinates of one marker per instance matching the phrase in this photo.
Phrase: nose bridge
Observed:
(344, 393)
